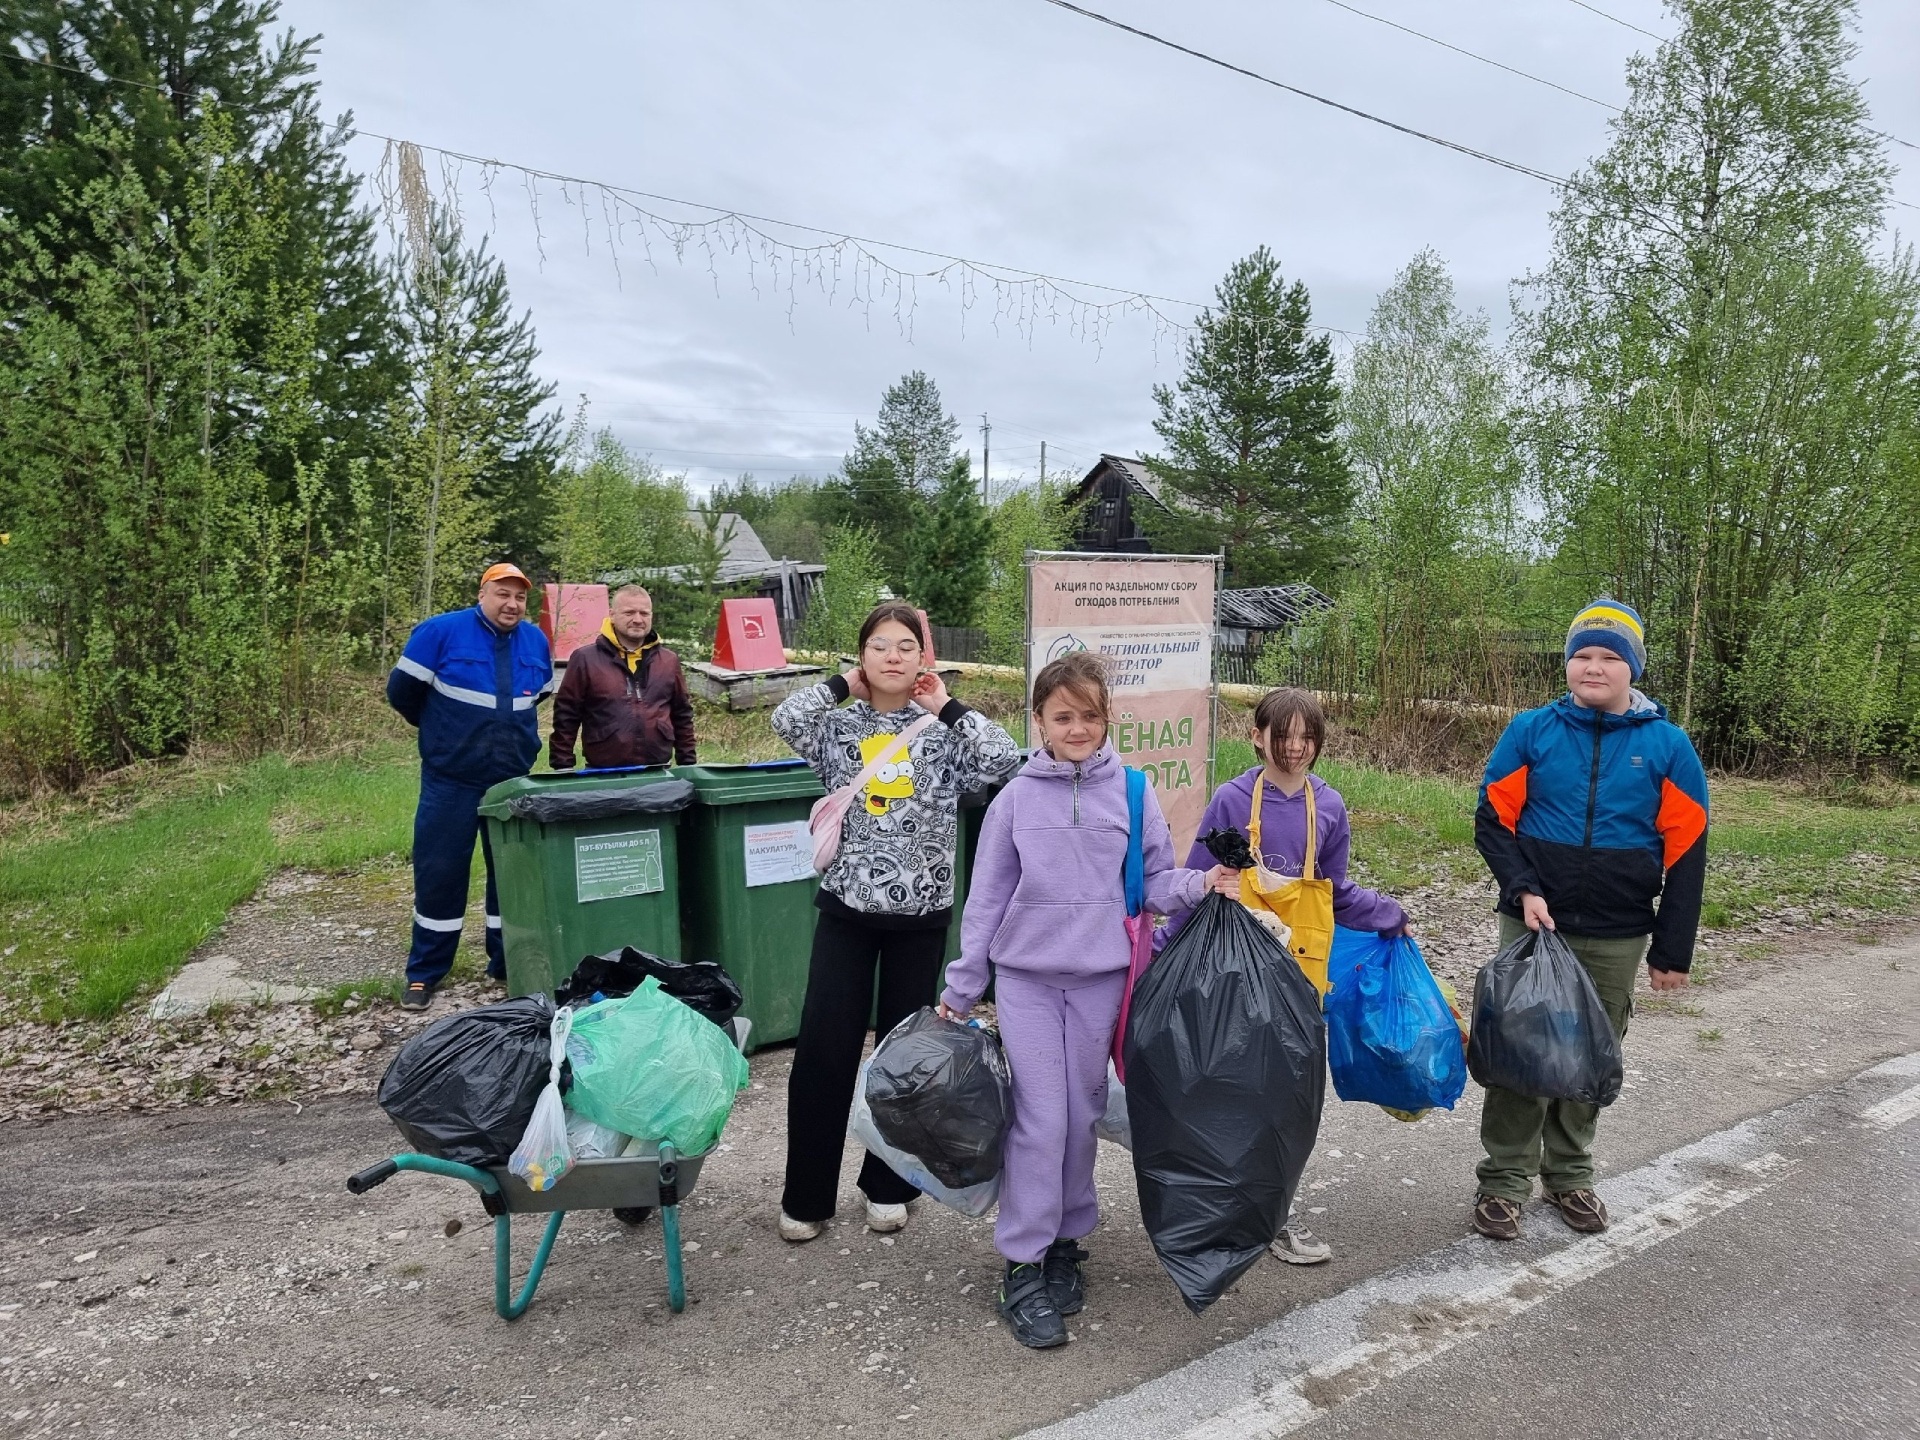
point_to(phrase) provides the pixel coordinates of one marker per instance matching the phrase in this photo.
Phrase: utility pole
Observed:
(1043, 462)
(986, 459)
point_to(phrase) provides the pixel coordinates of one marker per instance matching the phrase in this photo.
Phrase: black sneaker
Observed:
(417, 996)
(1066, 1280)
(1028, 1309)
(632, 1214)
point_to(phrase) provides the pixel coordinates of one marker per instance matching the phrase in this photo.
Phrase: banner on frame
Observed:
(1151, 616)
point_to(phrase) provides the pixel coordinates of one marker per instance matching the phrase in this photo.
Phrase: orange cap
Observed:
(505, 571)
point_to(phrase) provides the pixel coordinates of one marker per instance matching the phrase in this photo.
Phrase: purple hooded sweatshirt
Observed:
(1047, 898)
(1283, 845)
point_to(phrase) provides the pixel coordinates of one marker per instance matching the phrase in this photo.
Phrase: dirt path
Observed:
(204, 1272)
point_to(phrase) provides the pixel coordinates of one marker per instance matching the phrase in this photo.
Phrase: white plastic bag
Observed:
(543, 1154)
(1114, 1125)
(590, 1140)
(974, 1201)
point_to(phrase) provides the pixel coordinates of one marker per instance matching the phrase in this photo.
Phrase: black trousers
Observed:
(826, 1058)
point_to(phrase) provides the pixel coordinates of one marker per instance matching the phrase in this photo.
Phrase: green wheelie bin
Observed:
(585, 863)
(747, 884)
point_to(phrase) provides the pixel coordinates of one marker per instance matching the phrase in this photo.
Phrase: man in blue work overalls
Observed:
(469, 680)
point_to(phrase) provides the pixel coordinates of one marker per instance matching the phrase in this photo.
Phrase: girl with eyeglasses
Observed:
(886, 900)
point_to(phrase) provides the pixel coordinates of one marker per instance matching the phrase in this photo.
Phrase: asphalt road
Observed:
(204, 1273)
(1795, 1314)
(1763, 1281)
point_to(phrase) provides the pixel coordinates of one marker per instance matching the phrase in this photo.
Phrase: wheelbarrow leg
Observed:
(670, 1229)
(509, 1305)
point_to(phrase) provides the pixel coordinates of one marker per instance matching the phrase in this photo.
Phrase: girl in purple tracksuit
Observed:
(1047, 910)
(1289, 731)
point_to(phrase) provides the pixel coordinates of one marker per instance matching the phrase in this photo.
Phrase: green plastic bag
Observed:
(650, 1067)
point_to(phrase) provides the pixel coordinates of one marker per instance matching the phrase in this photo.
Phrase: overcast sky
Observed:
(1006, 131)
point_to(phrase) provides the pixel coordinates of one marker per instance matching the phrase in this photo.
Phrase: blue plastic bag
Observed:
(1392, 1039)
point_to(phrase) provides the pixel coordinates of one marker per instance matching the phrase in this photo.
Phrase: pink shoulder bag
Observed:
(830, 810)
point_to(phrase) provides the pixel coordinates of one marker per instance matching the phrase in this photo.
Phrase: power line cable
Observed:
(1483, 59)
(1532, 172)
(1618, 21)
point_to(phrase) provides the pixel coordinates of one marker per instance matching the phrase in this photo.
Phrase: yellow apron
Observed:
(1304, 905)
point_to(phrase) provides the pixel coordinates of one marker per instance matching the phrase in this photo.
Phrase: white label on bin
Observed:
(606, 867)
(779, 853)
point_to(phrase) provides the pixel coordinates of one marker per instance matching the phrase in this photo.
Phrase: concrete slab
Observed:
(216, 981)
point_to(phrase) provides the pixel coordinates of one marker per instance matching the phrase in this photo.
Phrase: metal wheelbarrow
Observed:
(631, 1186)
(657, 1178)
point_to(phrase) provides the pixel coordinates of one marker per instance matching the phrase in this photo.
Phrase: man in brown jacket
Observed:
(624, 695)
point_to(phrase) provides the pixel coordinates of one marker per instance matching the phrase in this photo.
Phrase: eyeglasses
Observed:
(893, 647)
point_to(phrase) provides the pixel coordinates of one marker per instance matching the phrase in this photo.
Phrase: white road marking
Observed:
(1303, 1364)
(1304, 1397)
(1894, 1111)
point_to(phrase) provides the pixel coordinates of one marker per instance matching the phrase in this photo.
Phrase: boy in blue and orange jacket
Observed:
(1593, 808)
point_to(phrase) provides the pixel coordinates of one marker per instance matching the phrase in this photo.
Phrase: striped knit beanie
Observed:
(1614, 624)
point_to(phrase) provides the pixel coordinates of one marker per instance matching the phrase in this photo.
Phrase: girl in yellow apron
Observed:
(1296, 826)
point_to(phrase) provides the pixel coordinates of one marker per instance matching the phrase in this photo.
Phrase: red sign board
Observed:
(572, 615)
(748, 636)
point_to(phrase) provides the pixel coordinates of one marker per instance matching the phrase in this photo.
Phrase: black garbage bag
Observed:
(464, 1088)
(1226, 1071)
(941, 1091)
(1230, 848)
(700, 984)
(1538, 1026)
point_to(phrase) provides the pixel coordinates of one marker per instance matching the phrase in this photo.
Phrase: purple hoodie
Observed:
(1283, 845)
(1047, 898)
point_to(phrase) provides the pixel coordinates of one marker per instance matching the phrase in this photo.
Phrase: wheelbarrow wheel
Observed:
(633, 1214)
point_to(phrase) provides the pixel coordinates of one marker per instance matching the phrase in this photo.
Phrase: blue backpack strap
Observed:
(1135, 871)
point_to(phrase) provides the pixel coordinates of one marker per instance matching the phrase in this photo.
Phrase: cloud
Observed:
(1003, 130)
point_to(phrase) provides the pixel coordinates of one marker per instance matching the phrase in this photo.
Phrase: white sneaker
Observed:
(798, 1232)
(1298, 1246)
(885, 1219)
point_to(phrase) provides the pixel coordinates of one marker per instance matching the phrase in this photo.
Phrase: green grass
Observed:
(1773, 849)
(1406, 828)
(100, 909)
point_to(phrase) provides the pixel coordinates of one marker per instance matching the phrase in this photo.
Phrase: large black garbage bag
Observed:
(700, 984)
(464, 1088)
(941, 1091)
(1226, 1071)
(1538, 1026)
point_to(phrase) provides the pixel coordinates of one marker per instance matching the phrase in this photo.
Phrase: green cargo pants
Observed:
(1525, 1136)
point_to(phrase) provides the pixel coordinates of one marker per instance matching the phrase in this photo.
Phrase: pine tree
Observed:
(210, 60)
(894, 471)
(1253, 466)
(479, 454)
(947, 558)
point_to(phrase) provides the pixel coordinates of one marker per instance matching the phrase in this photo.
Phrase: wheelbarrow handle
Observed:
(371, 1176)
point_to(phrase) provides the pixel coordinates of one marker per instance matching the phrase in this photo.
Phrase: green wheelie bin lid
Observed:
(747, 884)
(585, 862)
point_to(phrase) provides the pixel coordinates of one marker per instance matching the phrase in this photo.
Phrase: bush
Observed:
(846, 593)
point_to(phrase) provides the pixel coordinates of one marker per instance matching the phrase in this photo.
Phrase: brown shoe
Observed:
(1581, 1209)
(1496, 1218)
